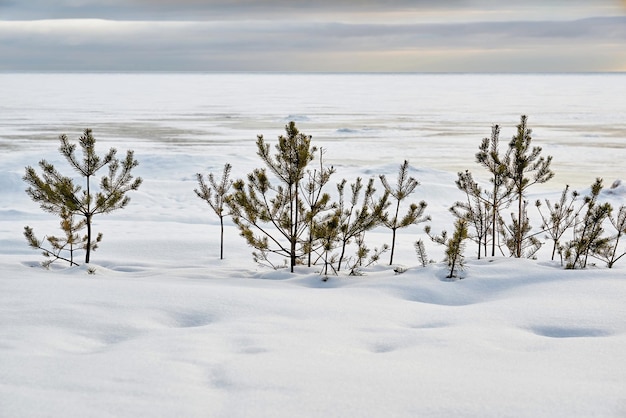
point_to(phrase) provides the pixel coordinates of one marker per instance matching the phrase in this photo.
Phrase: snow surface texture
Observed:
(163, 328)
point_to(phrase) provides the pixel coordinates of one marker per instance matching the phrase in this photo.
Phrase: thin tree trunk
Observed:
(88, 252)
(88, 220)
(518, 238)
(393, 245)
(493, 227)
(221, 237)
(294, 228)
(393, 235)
(343, 252)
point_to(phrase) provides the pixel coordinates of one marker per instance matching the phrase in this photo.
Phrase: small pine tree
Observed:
(499, 195)
(525, 168)
(355, 220)
(560, 217)
(317, 202)
(277, 213)
(215, 194)
(59, 246)
(454, 245)
(364, 256)
(530, 244)
(56, 193)
(476, 209)
(608, 251)
(588, 232)
(420, 250)
(404, 187)
(326, 232)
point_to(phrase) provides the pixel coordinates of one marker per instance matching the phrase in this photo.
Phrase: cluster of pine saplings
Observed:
(285, 212)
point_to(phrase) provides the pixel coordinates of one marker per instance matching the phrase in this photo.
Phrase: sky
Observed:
(313, 35)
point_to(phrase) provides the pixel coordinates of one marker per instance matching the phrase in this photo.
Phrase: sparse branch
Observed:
(216, 194)
(405, 186)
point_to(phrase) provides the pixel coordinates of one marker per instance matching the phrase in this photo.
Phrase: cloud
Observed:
(95, 44)
(297, 9)
(320, 35)
(204, 9)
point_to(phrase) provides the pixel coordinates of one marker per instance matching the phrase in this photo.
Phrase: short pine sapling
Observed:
(358, 216)
(476, 209)
(588, 232)
(317, 202)
(420, 250)
(56, 193)
(454, 246)
(364, 256)
(609, 251)
(560, 217)
(215, 194)
(61, 248)
(326, 232)
(404, 187)
(530, 244)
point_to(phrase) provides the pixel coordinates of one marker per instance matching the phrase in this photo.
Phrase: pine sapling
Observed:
(326, 232)
(364, 256)
(609, 251)
(560, 217)
(358, 215)
(525, 168)
(530, 244)
(276, 213)
(454, 245)
(420, 250)
(215, 193)
(56, 193)
(588, 232)
(404, 187)
(61, 248)
(499, 196)
(476, 209)
(317, 201)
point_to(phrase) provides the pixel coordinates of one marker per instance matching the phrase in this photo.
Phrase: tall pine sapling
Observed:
(525, 168)
(55, 192)
(498, 197)
(215, 194)
(404, 187)
(276, 213)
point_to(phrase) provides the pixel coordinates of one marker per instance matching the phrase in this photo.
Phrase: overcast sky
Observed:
(313, 35)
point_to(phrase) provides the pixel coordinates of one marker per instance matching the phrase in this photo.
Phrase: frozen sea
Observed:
(434, 120)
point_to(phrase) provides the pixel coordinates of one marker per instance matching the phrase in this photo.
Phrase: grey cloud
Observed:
(267, 9)
(292, 46)
(202, 9)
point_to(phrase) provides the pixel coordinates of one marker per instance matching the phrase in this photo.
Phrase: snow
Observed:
(158, 326)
